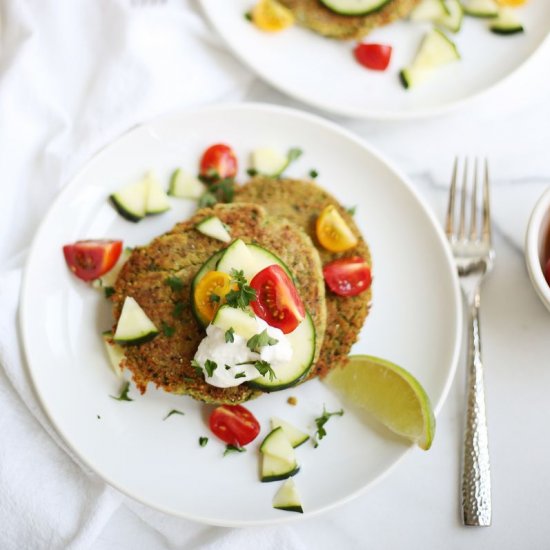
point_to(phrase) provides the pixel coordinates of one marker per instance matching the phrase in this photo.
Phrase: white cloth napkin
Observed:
(73, 76)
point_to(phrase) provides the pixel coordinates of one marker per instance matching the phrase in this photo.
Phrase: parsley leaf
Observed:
(123, 396)
(197, 366)
(252, 172)
(218, 190)
(109, 291)
(321, 421)
(248, 16)
(233, 449)
(260, 340)
(351, 210)
(177, 312)
(167, 330)
(175, 283)
(203, 441)
(240, 375)
(210, 367)
(214, 298)
(244, 294)
(229, 335)
(264, 368)
(207, 199)
(173, 411)
(313, 174)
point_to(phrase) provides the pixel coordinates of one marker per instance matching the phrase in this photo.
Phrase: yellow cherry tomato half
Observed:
(511, 2)
(270, 16)
(210, 294)
(333, 232)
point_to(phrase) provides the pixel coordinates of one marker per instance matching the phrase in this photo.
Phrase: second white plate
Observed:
(324, 73)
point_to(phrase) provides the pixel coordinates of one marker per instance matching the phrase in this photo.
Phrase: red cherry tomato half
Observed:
(373, 56)
(218, 162)
(277, 301)
(348, 276)
(234, 424)
(89, 260)
(547, 271)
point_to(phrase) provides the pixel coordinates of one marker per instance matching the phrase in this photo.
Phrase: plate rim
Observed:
(367, 114)
(265, 108)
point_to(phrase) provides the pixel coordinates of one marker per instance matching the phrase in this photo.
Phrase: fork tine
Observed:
(449, 224)
(486, 206)
(462, 224)
(473, 221)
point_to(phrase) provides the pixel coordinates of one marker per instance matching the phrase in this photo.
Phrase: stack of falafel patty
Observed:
(279, 215)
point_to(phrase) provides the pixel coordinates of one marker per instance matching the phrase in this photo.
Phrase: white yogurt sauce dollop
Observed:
(228, 355)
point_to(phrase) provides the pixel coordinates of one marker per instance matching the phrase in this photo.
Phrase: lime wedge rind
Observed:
(390, 393)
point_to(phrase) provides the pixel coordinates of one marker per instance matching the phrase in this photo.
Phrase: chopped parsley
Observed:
(109, 291)
(240, 375)
(203, 441)
(248, 16)
(313, 174)
(321, 421)
(210, 367)
(227, 367)
(218, 190)
(252, 172)
(260, 340)
(263, 367)
(123, 396)
(167, 330)
(197, 366)
(233, 449)
(229, 336)
(244, 294)
(351, 210)
(177, 312)
(173, 411)
(175, 283)
(214, 298)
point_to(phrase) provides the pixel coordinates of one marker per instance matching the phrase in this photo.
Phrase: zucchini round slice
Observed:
(354, 7)
(302, 340)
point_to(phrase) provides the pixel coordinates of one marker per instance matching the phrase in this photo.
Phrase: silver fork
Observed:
(474, 256)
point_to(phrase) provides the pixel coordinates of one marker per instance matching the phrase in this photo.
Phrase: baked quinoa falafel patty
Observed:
(301, 202)
(320, 19)
(166, 360)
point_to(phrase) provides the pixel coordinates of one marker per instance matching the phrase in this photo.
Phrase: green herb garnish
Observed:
(227, 367)
(233, 449)
(123, 396)
(173, 411)
(229, 335)
(207, 199)
(252, 172)
(177, 312)
(313, 174)
(203, 441)
(210, 367)
(197, 366)
(321, 421)
(167, 330)
(175, 283)
(109, 291)
(260, 340)
(263, 367)
(244, 294)
(218, 190)
(240, 375)
(248, 16)
(214, 298)
(351, 210)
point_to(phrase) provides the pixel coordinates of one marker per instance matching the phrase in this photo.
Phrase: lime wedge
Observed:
(390, 393)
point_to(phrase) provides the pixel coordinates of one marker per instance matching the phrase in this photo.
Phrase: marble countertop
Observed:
(417, 506)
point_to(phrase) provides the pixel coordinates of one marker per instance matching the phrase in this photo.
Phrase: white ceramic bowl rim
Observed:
(537, 230)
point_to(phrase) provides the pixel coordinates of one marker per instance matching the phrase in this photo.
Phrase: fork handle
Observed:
(476, 474)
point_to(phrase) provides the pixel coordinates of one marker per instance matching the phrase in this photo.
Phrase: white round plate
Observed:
(323, 73)
(415, 321)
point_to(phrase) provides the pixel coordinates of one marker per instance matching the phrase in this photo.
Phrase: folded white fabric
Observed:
(73, 76)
